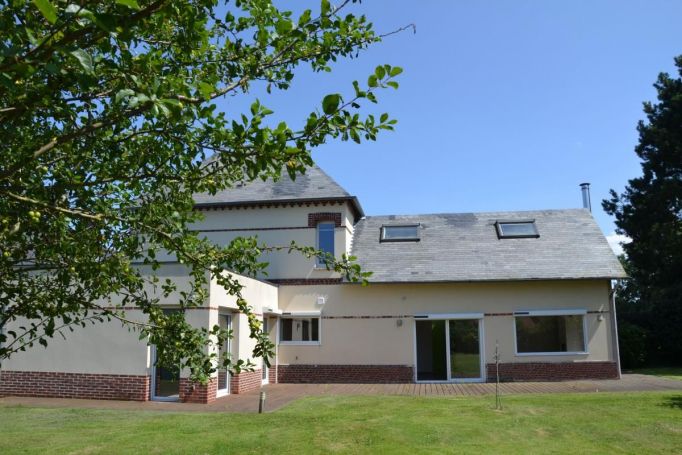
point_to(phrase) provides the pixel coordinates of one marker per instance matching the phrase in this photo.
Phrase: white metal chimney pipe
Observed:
(587, 203)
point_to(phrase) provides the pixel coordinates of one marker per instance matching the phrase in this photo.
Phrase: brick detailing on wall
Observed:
(74, 385)
(315, 218)
(371, 374)
(246, 381)
(194, 392)
(306, 281)
(246, 205)
(548, 371)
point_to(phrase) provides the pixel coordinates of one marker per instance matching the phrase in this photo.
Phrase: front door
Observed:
(225, 323)
(449, 350)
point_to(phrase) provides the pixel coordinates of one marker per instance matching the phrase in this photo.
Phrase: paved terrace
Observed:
(279, 395)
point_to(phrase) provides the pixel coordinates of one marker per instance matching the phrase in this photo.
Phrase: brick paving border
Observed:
(279, 395)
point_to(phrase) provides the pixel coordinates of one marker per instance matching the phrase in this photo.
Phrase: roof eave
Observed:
(353, 200)
(497, 280)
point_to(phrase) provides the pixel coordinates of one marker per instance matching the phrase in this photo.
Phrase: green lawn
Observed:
(566, 423)
(664, 372)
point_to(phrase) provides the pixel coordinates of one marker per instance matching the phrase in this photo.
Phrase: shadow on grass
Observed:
(673, 402)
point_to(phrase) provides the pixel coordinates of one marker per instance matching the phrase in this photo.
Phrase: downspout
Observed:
(614, 324)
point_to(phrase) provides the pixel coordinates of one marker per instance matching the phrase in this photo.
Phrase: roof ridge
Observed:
(478, 213)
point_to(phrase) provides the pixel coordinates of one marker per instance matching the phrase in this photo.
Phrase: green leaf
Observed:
(305, 17)
(355, 136)
(84, 59)
(325, 7)
(132, 4)
(125, 93)
(395, 71)
(372, 81)
(380, 72)
(284, 26)
(330, 103)
(47, 9)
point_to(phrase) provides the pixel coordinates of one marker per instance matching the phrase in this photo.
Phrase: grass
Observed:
(664, 372)
(644, 422)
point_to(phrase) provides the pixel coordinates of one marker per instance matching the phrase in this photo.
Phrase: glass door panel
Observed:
(431, 351)
(166, 382)
(465, 349)
(225, 323)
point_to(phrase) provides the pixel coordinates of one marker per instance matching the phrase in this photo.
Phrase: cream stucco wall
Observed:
(278, 226)
(378, 339)
(359, 324)
(102, 348)
(110, 348)
(261, 297)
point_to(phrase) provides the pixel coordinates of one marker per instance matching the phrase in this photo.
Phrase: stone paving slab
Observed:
(279, 395)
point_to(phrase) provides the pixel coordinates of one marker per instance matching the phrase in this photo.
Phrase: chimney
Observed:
(585, 188)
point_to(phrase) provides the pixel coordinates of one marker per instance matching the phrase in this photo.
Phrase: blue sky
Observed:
(503, 105)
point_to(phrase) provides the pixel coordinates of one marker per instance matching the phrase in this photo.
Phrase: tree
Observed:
(109, 125)
(650, 213)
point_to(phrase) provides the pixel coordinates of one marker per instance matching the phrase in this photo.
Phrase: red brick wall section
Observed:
(371, 374)
(74, 385)
(194, 392)
(272, 372)
(246, 381)
(546, 371)
(315, 218)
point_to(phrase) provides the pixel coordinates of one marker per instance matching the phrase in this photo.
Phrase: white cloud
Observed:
(616, 242)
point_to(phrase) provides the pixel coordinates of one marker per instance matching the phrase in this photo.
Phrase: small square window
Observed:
(299, 330)
(400, 233)
(516, 229)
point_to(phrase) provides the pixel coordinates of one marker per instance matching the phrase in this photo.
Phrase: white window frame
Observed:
(382, 236)
(574, 312)
(502, 235)
(318, 262)
(297, 315)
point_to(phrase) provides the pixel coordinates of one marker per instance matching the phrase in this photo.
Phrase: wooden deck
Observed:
(278, 395)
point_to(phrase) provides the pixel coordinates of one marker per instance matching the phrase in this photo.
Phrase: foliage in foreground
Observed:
(109, 126)
(598, 423)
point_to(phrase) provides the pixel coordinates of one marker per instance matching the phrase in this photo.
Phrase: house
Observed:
(449, 294)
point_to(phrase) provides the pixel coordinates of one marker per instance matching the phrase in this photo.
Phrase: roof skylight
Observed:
(516, 229)
(400, 233)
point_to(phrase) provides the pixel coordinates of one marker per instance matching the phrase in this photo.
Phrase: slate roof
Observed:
(465, 247)
(314, 185)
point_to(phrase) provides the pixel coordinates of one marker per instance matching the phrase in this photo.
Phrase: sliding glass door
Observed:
(448, 349)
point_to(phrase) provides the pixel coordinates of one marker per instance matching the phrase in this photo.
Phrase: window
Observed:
(299, 330)
(400, 233)
(550, 332)
(325, 240)
(516, 229)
